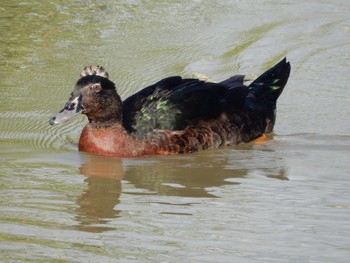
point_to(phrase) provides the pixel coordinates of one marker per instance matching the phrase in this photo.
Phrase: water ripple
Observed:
(32, 128)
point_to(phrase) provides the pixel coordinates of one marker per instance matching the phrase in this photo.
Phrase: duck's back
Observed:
(175, 103)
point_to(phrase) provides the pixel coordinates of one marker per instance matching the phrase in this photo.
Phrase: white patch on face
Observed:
(73, 105)
(76, 102)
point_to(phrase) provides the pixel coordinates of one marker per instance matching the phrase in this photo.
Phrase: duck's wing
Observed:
(173, 103)
(142, 106)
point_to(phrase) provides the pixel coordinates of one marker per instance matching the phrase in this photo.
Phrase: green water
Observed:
(284, 200)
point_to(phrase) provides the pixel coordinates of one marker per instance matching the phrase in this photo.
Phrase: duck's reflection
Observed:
(198, 175)
(193, 176)
(96, 206)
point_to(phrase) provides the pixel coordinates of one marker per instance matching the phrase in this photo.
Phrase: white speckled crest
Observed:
(94, 70)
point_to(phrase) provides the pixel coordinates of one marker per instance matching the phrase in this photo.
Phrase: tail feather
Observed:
(269, 86)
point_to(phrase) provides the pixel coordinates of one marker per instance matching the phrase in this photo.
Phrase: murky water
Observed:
(283, 200)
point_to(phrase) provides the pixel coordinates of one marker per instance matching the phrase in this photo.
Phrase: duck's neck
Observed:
(112, 123)
(110, 140)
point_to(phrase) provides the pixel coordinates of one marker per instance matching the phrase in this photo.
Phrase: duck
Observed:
(175, 115)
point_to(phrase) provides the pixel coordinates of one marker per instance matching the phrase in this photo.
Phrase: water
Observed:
(283, 200)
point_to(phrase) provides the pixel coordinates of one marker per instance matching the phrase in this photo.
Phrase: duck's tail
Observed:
(265, 90)
(268, 87)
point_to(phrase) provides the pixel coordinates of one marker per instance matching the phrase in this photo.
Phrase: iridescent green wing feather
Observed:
(148, 108)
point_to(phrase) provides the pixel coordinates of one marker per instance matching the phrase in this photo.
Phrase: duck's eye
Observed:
(96, 87)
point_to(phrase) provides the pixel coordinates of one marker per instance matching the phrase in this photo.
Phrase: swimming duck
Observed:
(175, 115)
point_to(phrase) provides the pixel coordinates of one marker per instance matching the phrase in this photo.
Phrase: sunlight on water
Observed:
(285, 199)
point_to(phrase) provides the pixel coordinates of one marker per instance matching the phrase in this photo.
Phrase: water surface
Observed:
(283, 200)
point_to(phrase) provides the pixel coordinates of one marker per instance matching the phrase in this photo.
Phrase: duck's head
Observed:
(95, 96)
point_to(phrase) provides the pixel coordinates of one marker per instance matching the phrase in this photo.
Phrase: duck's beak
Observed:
(70, 110)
